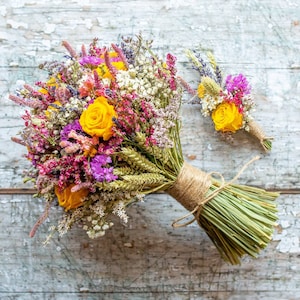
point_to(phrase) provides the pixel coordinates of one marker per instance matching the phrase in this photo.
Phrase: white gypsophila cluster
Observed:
(248, 104)
(127, 81)
(98, 208)
(248, 118)
(70, 111)
(78, 104)
(140, 197)
(67, 221)
(96, 227)
(209, 104)
(143, 80)
(119, 210)
(130, 81)
(165, 120)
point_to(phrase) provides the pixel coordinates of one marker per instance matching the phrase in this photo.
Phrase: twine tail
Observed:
(256, 130)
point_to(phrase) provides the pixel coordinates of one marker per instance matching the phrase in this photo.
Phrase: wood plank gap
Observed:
(17, 191)
(30, 191)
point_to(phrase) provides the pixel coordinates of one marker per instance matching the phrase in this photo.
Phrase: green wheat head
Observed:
(145, 179)
(124, 171)
(138, 182)
(211, 87)
(155, 151)
(138, 161)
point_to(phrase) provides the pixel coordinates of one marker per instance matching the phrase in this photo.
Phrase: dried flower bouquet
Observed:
(228, 102)
(103, 131)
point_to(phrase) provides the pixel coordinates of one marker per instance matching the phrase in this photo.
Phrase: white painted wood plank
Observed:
(163, 263)
(259, 38)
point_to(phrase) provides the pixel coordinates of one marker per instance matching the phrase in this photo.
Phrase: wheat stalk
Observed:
(138, 161)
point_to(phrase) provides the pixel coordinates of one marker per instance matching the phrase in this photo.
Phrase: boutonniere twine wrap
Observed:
(103, 131)
(228, 102)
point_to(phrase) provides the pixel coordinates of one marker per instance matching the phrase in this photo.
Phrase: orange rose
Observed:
(97, 119)
(68, 199)
(227, 117)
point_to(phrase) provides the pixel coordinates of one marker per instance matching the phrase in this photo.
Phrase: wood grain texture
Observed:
(147, 259)
(258, 38)
(262, 43)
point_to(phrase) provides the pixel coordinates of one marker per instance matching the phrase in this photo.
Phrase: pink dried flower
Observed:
(69, 48)
(111, 68)
(120, 54)
(26, 102)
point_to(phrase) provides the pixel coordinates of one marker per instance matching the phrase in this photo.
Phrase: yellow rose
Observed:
(97, 119)
(68, 199)
(227, 117)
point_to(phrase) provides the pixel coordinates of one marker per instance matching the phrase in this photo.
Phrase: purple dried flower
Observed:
(90, 60)
(237, 84)
(99, 172)
(128, 53)
(75, 125)
(205, 69)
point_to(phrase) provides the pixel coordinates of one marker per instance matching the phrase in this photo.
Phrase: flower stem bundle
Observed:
(238, 219)
(228, 102)
(104, 130)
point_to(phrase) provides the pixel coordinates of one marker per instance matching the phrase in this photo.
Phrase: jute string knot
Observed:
(191, 190)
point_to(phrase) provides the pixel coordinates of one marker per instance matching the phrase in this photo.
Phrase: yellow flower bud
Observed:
(201, 91)
(51, 108)
(103, 70)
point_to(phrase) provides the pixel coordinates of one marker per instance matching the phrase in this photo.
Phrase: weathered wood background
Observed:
(149, 259)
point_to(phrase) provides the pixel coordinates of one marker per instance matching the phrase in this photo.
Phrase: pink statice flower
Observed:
(171, 60)
(237, 88)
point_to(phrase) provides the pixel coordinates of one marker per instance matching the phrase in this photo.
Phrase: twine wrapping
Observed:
(190, 186)
(191, 190)
(257, 131)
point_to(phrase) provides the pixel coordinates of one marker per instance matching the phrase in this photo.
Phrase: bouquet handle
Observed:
(256, 131)
(190, 187)
(238, 219)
